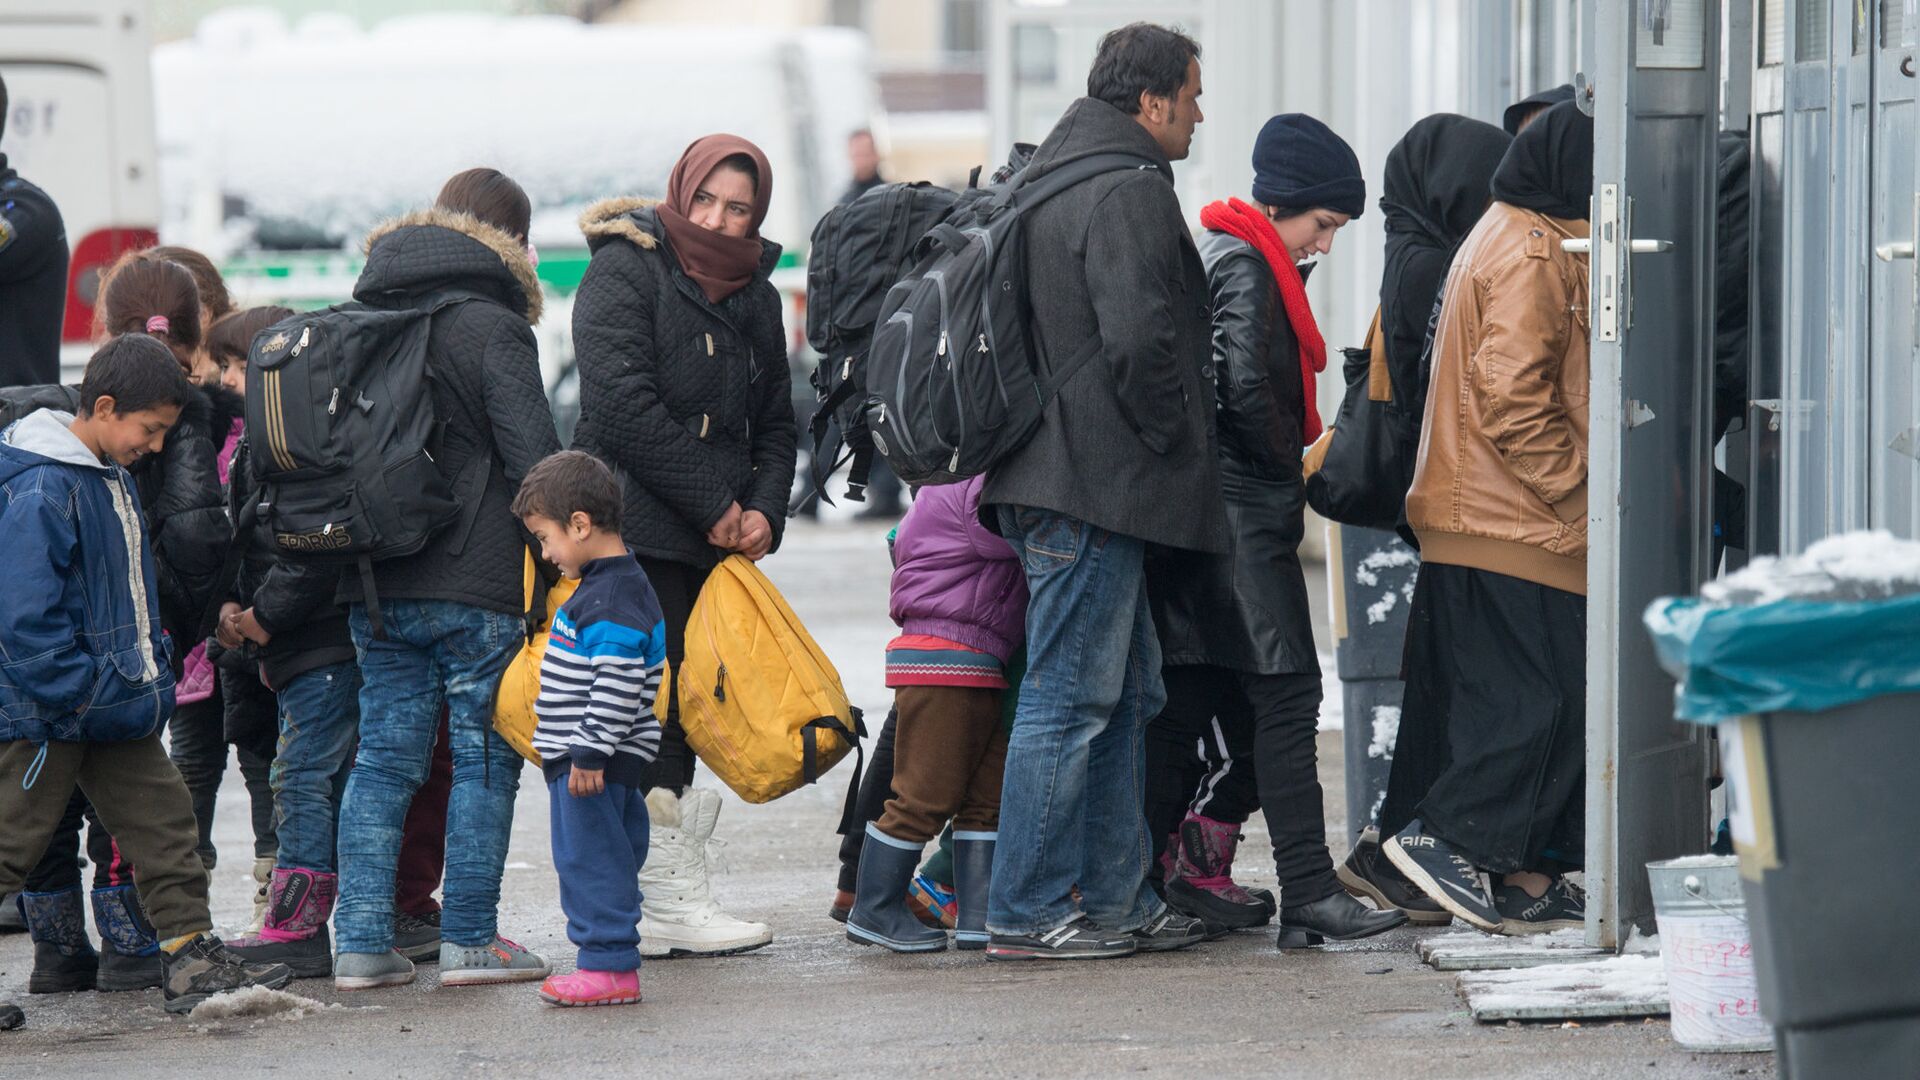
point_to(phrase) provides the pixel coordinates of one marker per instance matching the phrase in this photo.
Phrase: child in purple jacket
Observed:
(960, 599)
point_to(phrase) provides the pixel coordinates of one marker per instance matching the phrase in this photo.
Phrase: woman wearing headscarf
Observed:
(1236, 633)
(1496, 641)
(1438, 179)
(684, 394)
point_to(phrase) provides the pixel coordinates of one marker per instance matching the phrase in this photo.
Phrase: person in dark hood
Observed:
(452, 611)
(684, 393)
(1522, 112)
(1236, 630)
(33, 276)
(1489, 772)
(1123, 459)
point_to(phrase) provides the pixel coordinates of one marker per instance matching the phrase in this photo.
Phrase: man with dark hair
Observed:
(33, 276)
(863, 156)
(1122, 459)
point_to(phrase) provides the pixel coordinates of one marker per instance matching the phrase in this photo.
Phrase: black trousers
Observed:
(876, 787)
(1277, 716)
(1491, 755)
(1199, 755)
(677, 585)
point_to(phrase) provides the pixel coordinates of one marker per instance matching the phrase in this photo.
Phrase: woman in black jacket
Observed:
(1236, 634)
(684, 393)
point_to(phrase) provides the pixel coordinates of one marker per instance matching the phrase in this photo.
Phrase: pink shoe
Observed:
(592, 988)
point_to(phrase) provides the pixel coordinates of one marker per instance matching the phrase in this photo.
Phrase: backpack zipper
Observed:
(306, 334)
(333, 404)
(720, 684)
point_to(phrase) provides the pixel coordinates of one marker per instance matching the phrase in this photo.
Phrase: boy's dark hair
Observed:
(213, 288)
(231, 335)
(1140, 57)
(138, 372)
(491, 196)
(570, 482)
(142, 286)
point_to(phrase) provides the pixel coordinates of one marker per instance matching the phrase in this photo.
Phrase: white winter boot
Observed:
(262, 879)
(678, 914)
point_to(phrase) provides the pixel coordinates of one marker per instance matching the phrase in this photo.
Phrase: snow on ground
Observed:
(256, 1001)
(1617, 986)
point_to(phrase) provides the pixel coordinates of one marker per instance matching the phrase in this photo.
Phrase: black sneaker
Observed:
(204, 967)
(1078, 940)
(1562, 907)
(1368, 875)
(1170, 930)
(1443, 874)
(417, 937)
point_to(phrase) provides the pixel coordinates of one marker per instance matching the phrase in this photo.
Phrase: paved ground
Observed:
(813, 1004)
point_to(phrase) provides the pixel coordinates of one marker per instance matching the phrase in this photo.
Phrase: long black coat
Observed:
(1247, 609)
(33, 281)
(1127, 444)
(486, 392)
(686, 399)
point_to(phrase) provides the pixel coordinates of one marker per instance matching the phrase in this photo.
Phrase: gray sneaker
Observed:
(369, 971)
(498, 961)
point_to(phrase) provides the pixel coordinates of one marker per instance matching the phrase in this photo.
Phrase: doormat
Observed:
(1474, 951)
(1617, 987)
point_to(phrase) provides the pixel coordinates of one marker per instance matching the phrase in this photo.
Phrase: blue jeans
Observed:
(436, 653)
(1071, 804)
(599, 845)
(319, 720)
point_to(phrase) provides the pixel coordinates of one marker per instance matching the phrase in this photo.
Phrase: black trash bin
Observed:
(1374, 573)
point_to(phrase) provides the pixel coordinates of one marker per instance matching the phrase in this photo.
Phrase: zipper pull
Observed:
(333, 404)
(720, 684)
(306, 334)
(942, 350)
(983, 343)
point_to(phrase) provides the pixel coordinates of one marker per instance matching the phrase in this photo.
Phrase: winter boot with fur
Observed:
(678, 913)
(129, 952)
(63, 958)
(295, 933)
(1202, 882)
(262, 893)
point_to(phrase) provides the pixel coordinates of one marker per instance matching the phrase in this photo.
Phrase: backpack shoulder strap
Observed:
(1029, 193)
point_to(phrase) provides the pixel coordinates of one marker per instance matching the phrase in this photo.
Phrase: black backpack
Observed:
(17, 401)
(954, 380)
(340, 414)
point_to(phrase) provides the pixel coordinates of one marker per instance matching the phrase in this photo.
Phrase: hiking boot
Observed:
(1201, 882)
(370, 970)
(129, 950)
(1366, 873)
(204, 967)
(262, 893)
(498, 961)
(10, 1015)
(972, 877)
(592, 988)
(12, 919)
(678, 914)
(842, 904)
(1334, 917)
(880, 915)
(931, 902)
(1445, 875)
(296, 929)
(417, 937)
(1170, 930)
(1562, 907)
(63, 958)
(1077, 940)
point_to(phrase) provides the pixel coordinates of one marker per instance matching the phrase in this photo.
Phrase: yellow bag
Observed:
(513, 716)
(759, 702)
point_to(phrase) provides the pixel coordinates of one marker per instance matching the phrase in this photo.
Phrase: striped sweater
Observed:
(605, 657)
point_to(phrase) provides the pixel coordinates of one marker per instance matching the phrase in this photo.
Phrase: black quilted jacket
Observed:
(686, 399)
(486, 391)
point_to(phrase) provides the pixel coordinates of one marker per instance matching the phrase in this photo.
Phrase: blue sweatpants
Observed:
(599, 844)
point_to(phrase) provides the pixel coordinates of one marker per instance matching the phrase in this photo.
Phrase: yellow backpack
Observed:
(759, 702)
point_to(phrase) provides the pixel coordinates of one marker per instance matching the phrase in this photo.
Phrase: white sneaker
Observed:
(678, 913)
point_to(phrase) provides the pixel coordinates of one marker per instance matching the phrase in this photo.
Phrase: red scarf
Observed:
(1236, 218)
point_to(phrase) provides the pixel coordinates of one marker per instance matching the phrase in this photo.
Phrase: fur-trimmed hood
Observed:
(631, 218)
(412, 254)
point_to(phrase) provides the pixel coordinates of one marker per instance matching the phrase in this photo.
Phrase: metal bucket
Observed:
(1708, 954)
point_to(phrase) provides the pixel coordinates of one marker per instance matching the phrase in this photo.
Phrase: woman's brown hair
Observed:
(213, 288)
(144, 293)
(231, 335)
(491, 196)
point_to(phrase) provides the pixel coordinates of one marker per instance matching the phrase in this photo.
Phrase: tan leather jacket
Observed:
(1501, 482)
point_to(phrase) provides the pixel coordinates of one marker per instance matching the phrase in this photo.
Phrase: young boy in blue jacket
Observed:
(85, 681)
(596, 730)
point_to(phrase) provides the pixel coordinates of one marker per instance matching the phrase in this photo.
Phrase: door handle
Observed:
(1900, 249)
(1582, 246)
(1649, 247)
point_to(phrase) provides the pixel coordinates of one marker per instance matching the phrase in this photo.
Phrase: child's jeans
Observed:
(319, 721)
(948, 756)
(599, 844)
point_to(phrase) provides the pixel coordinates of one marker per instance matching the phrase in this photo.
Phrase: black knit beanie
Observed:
(1299, 163)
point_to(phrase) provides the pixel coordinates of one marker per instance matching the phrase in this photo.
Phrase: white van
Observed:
(80, 125)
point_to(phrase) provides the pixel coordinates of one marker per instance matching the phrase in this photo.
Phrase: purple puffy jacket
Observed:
(954, 579)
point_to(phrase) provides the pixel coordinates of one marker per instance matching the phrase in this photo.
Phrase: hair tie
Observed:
(158, 324)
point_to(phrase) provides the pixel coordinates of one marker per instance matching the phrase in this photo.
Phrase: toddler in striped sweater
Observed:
(605, 657)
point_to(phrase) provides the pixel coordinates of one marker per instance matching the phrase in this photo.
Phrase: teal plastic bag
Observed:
(1787, 656)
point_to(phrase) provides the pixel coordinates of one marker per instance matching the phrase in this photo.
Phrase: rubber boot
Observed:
(880, 915)
(295, 933)
(129, 950)
(63, 958)
(972, 874)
